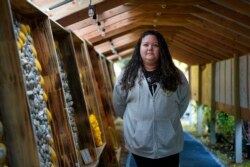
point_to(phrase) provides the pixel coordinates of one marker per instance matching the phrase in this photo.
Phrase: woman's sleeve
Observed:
(184, 95)
(119, 99)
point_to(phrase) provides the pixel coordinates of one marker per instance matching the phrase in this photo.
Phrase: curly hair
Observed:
(170, 76)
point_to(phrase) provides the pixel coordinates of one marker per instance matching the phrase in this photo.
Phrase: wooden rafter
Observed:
(197, 31)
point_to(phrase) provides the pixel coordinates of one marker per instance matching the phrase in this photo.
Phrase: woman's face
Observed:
(150, 51)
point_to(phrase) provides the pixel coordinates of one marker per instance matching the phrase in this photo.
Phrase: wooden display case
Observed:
(37, 132)
(103, 89)
(106, 74)
(111, 72)
(88, 92)
(64, 145)
(18, 133)
(16, 113)
(67, 50)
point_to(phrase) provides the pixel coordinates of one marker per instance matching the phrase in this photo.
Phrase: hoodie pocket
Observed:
(165, 132)
(143, 139)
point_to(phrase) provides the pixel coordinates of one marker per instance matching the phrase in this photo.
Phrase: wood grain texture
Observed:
(14, 110)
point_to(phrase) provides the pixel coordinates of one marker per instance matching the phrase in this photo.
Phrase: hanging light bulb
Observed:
(91, 11)
(103, 32)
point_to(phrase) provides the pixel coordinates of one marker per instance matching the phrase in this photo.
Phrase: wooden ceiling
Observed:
(197, 31)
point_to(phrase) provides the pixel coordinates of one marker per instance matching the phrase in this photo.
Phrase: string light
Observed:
(113, 50)
(103, 32)
(101, 28)
(91, 11)
(94, 16)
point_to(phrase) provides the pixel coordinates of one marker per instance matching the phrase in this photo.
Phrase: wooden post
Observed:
(238, 122)
(199, 110)
(213, 114)
(199, 119)
(199, 84)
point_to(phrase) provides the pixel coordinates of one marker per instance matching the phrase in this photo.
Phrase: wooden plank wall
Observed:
(224, 86)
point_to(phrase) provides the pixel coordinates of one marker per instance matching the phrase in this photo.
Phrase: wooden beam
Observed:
(206, 42)
(124, 12)
(194, 50)
(119, 48)
(111, 34)
(119, 42)
(118, 12)
(131, 37)
(224, 22)
(83, 14)
(185, 55)
(218, 37)
(125, 26)
(204, 47)
(238, 6)
(91, 32)
(164, 2)
(243, 40)
(126, 18)
(68, 9)
(188, 53)
(222, 11)
(123, 54)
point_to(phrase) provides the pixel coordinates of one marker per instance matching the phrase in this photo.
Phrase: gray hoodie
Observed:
(152, 126)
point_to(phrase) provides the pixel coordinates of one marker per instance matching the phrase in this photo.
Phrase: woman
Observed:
(151, 95)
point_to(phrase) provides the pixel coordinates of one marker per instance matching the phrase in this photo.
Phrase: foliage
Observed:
(246, 131)
(206, 117)
(225, 124)
(225, 128)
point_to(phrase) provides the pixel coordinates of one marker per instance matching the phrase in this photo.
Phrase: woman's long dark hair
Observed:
(169, 74)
